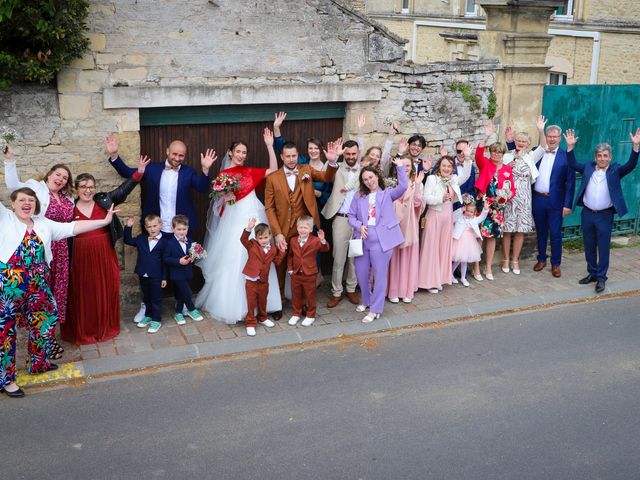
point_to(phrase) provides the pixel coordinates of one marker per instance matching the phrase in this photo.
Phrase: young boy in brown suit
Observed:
(303, 268)
(256, 273)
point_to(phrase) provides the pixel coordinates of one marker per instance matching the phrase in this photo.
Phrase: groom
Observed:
(289, 194)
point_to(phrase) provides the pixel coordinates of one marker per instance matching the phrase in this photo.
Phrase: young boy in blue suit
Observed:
(150, 268)
(178, 261)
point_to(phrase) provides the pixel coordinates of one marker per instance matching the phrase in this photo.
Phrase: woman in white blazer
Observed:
(25, 297)
(441, 191)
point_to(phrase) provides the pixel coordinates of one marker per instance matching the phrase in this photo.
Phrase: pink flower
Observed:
(306, 177)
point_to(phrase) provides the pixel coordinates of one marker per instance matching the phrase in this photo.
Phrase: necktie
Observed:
(291, 172)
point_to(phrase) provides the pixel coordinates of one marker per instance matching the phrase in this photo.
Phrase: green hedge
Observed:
(39, 38)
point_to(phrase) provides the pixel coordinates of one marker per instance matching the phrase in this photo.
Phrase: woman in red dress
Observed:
(93, 313)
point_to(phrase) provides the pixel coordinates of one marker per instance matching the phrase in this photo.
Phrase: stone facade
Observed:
(611, 27)
(143, 55)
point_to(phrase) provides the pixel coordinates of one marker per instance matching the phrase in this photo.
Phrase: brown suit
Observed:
(301, 263)
(258, 265)
(283, 206)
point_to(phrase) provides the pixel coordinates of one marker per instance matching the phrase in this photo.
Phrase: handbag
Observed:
(355, 247)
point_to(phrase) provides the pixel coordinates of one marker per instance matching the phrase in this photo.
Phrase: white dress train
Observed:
(223, 294)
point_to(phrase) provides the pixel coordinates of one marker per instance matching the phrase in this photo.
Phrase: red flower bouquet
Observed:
(224, 184)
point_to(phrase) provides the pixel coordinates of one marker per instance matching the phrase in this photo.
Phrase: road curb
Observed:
(300, 337)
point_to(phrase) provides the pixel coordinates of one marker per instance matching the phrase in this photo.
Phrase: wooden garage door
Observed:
(227, 124)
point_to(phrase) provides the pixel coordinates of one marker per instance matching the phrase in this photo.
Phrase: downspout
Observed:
(595, 36)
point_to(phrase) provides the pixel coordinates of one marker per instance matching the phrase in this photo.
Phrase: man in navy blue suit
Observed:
(600, 196)
(552, 200)
(168, 184)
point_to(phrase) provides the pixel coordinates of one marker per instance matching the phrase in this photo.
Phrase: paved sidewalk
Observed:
(135, 349)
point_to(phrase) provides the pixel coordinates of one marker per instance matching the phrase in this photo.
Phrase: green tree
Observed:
(40, 37)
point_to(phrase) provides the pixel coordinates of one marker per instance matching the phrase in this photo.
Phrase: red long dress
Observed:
(93, 313)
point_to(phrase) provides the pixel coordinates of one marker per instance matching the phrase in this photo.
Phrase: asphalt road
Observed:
(547, 395)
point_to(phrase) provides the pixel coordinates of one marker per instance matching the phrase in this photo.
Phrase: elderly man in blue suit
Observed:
(167, 185)
(600, 196)
(552, 199)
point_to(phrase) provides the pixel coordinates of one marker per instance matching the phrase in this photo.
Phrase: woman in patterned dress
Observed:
(518, 215)
(25, 255)
(54, 193)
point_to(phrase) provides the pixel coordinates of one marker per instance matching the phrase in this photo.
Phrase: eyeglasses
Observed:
(86, 187)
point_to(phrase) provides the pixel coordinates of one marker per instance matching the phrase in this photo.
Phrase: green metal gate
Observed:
(599, 113)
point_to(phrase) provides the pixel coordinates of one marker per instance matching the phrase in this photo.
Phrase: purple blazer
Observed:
(387, 225)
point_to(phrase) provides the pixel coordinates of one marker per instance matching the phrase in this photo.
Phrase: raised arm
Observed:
(571, 139)
(268, 141)
(279, 140)
(362, 121)
(11, 172)
(112, 147)
(403, 182)
(628, 167)
(84, 226)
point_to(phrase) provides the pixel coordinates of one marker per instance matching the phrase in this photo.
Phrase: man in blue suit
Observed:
(168, 184)
(552, 200)
(600, 196)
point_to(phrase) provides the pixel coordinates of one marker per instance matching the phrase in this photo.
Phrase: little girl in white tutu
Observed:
(466, 232)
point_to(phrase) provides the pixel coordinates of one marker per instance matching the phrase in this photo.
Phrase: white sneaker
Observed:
(140, 315)
(454, 280)
(251, 331)
(268, 323)
(308, 321)
(464, 282)
(361, 308)
(293, 320)
(407, 300)
(394, 299)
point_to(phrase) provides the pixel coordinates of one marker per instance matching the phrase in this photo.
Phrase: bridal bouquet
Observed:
(223, 184)
(502, 195)
(390, 182)
(197, 251)
(7, 135)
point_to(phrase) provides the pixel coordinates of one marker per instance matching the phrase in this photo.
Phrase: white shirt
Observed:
(183, 245)
(543, 182)
(348, 197)
(168, 195)
(291, 179)
(154, 242)
(372, 213)
(596, 195)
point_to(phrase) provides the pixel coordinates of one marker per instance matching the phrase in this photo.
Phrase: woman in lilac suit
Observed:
(373, 219)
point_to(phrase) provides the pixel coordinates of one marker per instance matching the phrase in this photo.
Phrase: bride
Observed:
(223, 294)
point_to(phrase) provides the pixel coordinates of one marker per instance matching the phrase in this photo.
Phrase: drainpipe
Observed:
(595, 36)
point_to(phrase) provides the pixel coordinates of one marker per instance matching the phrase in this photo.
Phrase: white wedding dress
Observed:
(223, 294)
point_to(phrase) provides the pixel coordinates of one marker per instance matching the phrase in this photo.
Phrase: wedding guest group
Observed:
(398, 219)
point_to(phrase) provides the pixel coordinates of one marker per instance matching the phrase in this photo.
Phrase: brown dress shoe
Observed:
(353, 297)
(334, 301)
(555, 271)
(539, 266)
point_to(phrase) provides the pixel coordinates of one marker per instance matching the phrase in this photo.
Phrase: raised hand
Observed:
(279, 119)
(111, 144)
(393, 129)
(334, 150)
(398, 162)
(443, 151)
(8, 153)
(268, 137)
(207, 160)
(321, 235)
(110, 213)
(635, 139)
(130, 221)
(403, 146)
(144, 161)
(540, 123)
(489, 128)
(571, 139)
(427, 163)
(251, 224)
(362, 120)
(468, 151)
(510, 134)
(420, 177)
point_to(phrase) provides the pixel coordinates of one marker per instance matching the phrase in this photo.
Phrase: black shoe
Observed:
(277, 315)
(600, 286)
(588, 279)
(52, 367)
(19, 393)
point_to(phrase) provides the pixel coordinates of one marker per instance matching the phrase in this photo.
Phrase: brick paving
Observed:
(625, 266)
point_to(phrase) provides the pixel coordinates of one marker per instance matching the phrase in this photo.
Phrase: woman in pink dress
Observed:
(440, 192)
(54, 193)
(403, 268)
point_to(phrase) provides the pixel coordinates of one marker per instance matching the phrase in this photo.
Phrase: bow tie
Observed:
(266, 248)
(459, 163)
(169, 167)
(291, 172)
(155, 238)
(550, 150)
(302, 242)
(352, 169)
(183, 240)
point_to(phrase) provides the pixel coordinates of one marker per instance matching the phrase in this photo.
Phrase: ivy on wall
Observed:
(38, 38)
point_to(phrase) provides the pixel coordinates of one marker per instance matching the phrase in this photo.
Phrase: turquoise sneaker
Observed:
(144, 322)
(154, 327)
(195, 315)
(179, 319)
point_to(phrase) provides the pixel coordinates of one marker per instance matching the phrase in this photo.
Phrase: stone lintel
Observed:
(150, 97)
